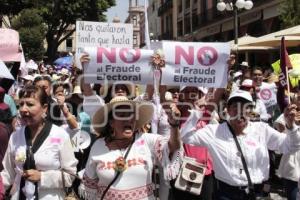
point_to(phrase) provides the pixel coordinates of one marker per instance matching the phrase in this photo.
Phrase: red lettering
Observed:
(110, 55)
(188, 56)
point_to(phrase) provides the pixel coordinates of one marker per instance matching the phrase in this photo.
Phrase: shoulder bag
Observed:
(191, 176)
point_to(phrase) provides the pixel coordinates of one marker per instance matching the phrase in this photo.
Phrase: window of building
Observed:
(153, 6)
(187, 24)
(179, 28)
(134, 20)
(179, 6)
(135, 42)
(194, 21)
(187, 4)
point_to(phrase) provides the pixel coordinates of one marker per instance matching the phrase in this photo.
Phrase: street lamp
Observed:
(229, 5)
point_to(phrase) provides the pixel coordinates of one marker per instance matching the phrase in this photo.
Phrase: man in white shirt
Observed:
(255, 138)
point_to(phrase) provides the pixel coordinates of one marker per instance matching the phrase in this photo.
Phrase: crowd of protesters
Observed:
(104, 141)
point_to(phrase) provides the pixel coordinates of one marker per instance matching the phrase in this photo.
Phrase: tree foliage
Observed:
(32, 31)
(290, 13)
(60, 16)
(13, 7)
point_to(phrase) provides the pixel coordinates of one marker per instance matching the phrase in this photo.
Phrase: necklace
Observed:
(120, 163)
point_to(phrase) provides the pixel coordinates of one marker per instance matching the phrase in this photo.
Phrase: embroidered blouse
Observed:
(136, 181)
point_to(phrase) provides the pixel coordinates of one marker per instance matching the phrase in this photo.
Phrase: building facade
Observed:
(135, 15)
(199, 20)
(154, 20)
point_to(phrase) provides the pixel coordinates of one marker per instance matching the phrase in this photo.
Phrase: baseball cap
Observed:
(240, 94)
(28, 78)
(247, 83)
(237, 74)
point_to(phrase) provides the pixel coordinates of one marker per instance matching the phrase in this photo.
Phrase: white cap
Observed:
(241, 94)
(247, 83)
(244, 63)
(64, 71)
(237, 74)
(28, 78)
(201, 89)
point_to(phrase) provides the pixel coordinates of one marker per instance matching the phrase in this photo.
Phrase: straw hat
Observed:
(28, 78)
(143, 112)
(104, 88)
(201, 89)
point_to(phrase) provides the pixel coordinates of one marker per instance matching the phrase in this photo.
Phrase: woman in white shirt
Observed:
(120, 163)
(255, 138)
(36, 153)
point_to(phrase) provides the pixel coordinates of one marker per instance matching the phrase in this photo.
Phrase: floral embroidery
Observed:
(20, 155)
(132, 194)
(130, 163)
(89, 182)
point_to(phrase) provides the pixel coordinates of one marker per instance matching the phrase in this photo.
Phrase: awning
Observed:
(274, 39)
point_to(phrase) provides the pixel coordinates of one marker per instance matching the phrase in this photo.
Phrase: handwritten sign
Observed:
(108, 65)
(99, 34)
(9, 45)
(195, 64)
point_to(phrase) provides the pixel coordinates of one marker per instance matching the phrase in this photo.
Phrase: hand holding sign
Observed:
(84, 59)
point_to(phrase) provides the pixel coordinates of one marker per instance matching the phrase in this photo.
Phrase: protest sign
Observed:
(5, 73)
(195, 64)
(9, 45)
(99, 34)
(110, 65)
(267, 94)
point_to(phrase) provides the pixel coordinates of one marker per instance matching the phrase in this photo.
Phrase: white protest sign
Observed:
(267, 94)
(195, 64)
(81, 140)
(109, 65)
(101, 34)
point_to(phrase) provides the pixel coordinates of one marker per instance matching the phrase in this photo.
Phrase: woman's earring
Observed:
(44, 116)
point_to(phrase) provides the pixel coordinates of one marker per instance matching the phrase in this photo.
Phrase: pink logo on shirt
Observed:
(250, 143)
(55, 140)
(140, 142)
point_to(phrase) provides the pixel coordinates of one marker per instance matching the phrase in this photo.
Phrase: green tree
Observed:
(32, 31)
(60, 17)
(290, 13)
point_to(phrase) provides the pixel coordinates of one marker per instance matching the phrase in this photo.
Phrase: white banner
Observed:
(100, 34)
(195, 64)
(268, 94)
(108, 65)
